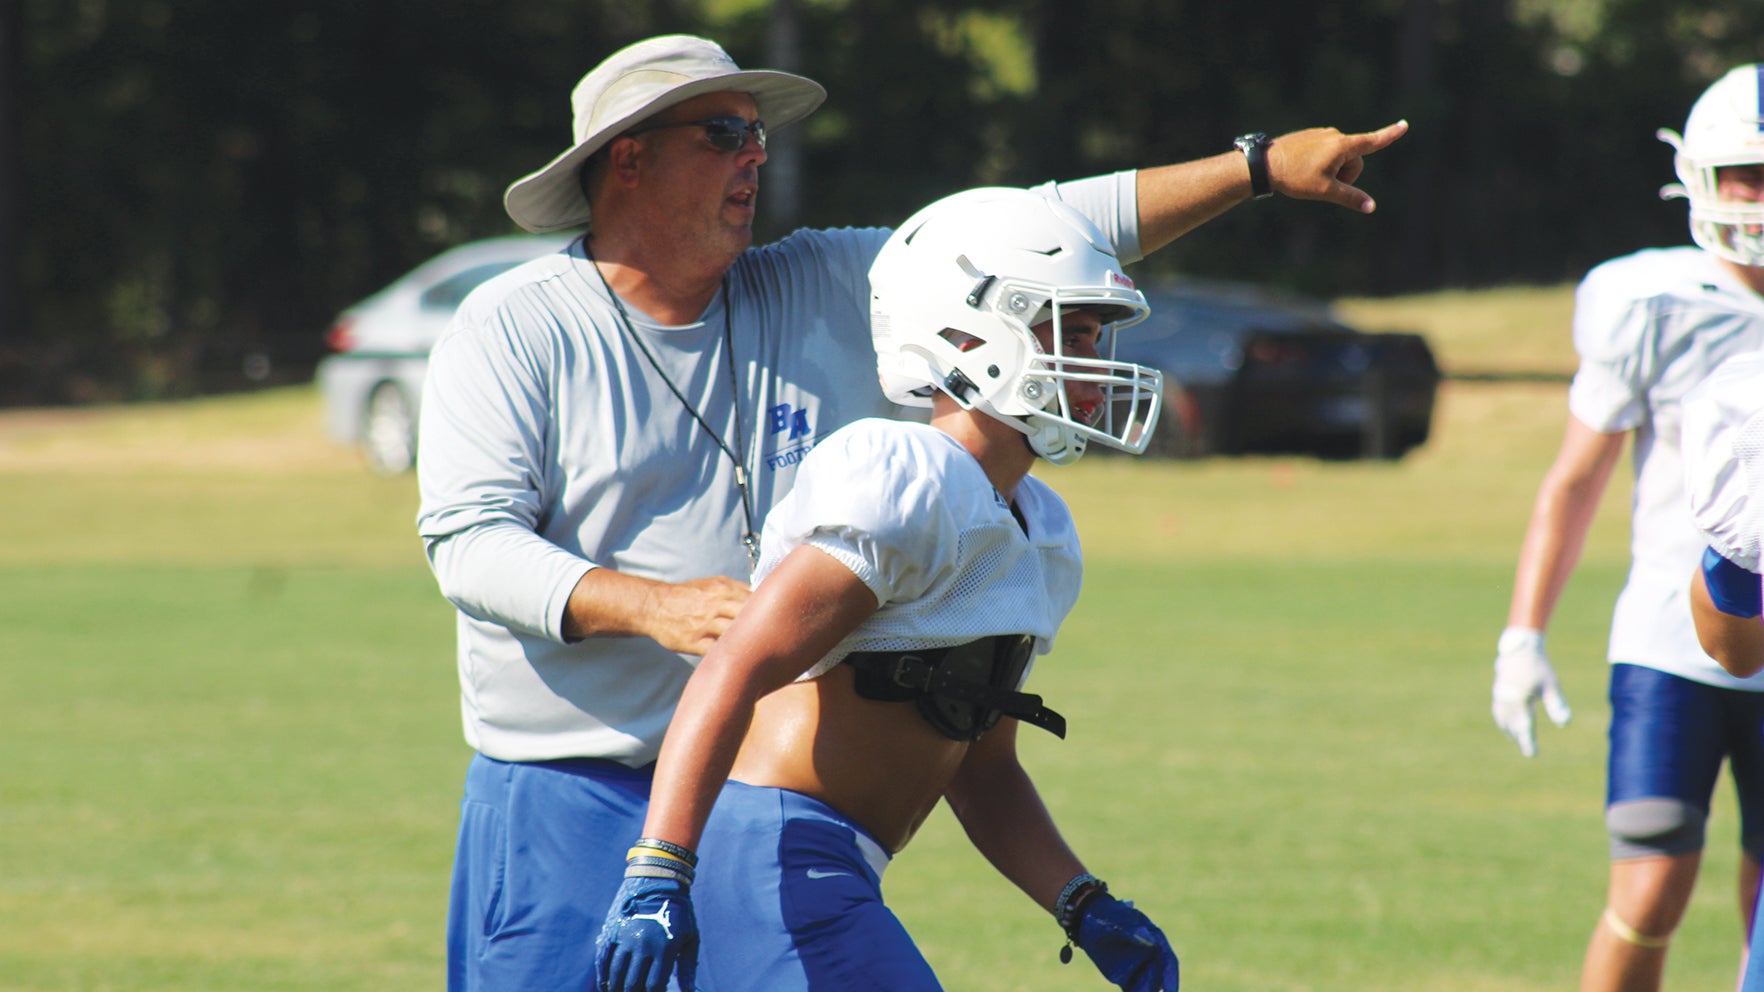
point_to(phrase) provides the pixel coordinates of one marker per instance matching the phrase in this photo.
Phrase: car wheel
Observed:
(388, 436)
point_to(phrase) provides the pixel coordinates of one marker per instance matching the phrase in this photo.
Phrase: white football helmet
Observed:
(955, 292)
(1726, 127)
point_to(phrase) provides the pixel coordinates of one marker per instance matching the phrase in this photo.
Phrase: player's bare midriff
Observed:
(879, 763)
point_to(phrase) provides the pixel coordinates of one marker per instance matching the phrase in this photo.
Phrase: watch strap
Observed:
(1255, 155)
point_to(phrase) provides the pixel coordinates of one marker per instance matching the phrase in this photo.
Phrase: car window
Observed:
(450, 293)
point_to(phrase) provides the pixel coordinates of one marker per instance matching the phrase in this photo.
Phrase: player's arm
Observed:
(804, 608)
(1004, 817)
(1560, 518)
(999, 807)
(1314, 164)
(1724, 605)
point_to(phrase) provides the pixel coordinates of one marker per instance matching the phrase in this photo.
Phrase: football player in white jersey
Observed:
(906, 585)
(1724, 473)
(1649, 327)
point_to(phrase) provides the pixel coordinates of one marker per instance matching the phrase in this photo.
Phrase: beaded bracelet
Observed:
(1069, 907)
(1066, 907)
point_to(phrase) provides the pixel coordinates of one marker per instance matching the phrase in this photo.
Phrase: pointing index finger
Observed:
(1371, 141)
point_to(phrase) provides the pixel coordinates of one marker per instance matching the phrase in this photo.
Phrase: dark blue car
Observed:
(1248, 370)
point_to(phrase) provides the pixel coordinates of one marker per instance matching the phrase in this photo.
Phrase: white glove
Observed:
(1522, 675)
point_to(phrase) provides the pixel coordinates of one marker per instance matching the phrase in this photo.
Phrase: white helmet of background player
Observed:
(1726, 127)
(955, 292)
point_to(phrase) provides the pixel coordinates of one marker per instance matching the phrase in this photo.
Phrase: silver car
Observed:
(372, 385)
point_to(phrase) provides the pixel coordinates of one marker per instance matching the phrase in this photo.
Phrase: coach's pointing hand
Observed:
(1321, 163)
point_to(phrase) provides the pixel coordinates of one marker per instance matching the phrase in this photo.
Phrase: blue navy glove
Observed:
(650, 932)
(1126, 947)
(1733, 589)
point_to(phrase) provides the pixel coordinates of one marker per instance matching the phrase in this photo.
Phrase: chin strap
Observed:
(1056, 445)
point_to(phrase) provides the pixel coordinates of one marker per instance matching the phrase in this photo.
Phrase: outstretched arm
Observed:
(1318, 163)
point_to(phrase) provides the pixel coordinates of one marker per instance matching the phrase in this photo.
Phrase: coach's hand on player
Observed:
(1127, 947)
(1523, 676)
(687, 617)
(649, 933)
(690, 616)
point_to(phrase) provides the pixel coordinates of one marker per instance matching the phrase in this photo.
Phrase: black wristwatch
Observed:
(1255, 153)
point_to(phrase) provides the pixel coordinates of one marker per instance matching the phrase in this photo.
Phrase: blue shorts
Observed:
(541, 853)
(1669, 736)
(789, 899)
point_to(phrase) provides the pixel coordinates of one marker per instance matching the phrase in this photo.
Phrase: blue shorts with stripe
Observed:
(1669, 736)
(788, 897)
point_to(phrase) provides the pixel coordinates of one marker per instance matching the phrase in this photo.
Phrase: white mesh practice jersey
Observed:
(913, 515)
(1649, 327)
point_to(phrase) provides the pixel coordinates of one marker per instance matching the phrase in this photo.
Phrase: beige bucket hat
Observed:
(636, 83)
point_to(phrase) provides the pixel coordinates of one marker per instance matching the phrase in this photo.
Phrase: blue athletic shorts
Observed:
(1669, 736)
(541, 853)
(789, 899)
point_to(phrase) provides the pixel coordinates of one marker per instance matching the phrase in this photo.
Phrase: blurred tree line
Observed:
(190, 189)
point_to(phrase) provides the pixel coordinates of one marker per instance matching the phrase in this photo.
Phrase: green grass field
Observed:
(232, 755)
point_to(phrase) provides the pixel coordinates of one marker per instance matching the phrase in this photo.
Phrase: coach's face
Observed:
(707, 195)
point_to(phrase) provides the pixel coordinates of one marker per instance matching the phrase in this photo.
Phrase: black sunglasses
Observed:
(727, 133)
